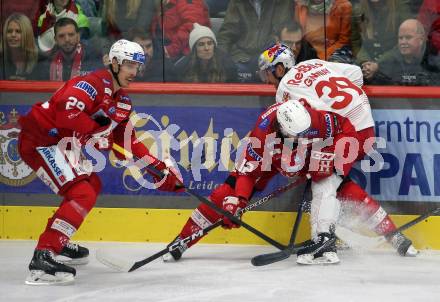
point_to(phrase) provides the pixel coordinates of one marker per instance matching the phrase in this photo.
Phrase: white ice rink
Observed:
(224, 273)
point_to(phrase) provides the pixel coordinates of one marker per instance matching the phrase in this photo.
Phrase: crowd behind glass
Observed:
(395, 42)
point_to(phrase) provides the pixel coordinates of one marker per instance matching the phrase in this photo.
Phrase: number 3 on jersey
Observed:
(339, 87)
(73, 102)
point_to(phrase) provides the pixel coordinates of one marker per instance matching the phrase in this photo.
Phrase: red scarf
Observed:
(56, 66)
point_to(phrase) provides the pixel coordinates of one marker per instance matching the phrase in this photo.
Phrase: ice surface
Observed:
(224, 273)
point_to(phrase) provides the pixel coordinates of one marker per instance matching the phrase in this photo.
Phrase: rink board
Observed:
(162, 225)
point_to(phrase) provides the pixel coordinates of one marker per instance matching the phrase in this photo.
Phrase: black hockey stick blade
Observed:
(265, 259)
(269, 258)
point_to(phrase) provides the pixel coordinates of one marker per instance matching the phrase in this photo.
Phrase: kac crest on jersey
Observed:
(13, 170)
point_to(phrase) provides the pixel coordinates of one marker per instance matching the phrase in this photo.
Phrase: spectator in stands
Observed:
(429, 16)
(155, 69)
(290, 34)
(217, 7)
(377, 23)
(55, 10)
(405, 64)
(19, 51)
(433, 49)
(171, 27)
(119, 16)
(29, 8)
(206, 63)
(89, 7)
(69, 57)
(248, 27)
(327, 34)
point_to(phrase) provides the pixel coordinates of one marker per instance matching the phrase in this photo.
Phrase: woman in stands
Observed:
(20, 52)
(206, 63)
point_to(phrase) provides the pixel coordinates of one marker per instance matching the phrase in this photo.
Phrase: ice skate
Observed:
(403, 245)
(73, 254)
(176, 253)
(321, 251)
(45, 270)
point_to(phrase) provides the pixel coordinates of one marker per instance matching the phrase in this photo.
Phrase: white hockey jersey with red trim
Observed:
(328, 86)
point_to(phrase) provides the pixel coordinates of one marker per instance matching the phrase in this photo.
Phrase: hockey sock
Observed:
(203, 216)
(78, 202)
(371, 212)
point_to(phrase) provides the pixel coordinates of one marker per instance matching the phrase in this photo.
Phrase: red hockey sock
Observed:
(374, 216)
(77, 203)
(204, 216)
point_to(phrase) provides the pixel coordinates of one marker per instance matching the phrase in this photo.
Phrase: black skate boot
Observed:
(73, 254)
(45, 270)
(403, 245)
(321, 251)
(176, 253)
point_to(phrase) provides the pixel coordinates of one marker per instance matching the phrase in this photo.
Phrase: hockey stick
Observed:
(129, 266)
(370, 242)
(210, 204)
(269, 258)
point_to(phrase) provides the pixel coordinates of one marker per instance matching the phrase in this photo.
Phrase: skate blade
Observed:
(168, 258)
(37, 277)
(411, 252)
(327, 258)
(71, 261)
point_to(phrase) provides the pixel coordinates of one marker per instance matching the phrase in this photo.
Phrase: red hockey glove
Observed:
(233, 205)
(171, 182)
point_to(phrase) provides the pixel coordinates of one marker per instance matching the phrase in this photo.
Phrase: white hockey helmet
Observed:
(274, 55)
(293, 118)
(127, 50)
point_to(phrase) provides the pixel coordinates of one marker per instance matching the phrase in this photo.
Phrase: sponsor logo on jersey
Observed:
(120, 114)
(111, 110)
(321, 155)
(53, 132)
(87, 88)
(123, 105)
(13, 170)
(328, 125)
(108, 91)
(45, 178)
(125, 98)
(264, 123)
(105, 81)
(252, 153)
(272, 109)
(309, 132)
(50, 160)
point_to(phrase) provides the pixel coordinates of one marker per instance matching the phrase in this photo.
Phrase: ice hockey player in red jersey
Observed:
(280, 142)
(333, 87)
(91, 109)
(275, 62)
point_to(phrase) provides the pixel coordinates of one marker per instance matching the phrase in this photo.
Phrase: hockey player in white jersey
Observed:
(335, 87)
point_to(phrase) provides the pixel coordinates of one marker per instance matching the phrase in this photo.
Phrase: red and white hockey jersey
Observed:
(328, 86)
(72, 110)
